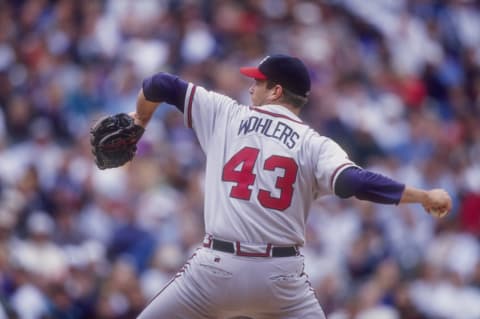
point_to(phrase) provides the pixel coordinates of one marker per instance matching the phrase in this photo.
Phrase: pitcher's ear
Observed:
(277, 91)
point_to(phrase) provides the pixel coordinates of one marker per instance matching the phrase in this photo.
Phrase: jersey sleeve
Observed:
(204, 110)
(328, 161)
(165, 87)
(367, 185)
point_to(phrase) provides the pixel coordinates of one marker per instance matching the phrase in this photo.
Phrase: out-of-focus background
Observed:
(395, 82)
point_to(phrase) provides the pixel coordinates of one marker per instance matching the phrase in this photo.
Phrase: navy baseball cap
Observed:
(288, 71)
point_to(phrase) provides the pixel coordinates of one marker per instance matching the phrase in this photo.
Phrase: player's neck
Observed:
(291, 108)
(294, 110)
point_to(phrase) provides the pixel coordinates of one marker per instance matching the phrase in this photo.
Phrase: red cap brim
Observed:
(253, 72)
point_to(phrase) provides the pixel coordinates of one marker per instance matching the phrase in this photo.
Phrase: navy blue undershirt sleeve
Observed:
(165, 87)
(367, 185)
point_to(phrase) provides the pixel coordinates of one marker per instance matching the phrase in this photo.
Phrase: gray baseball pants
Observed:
(220, 285)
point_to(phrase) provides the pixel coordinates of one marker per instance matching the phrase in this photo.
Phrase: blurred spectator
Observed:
(396, 83)
(120, 295)
(165, 263)
(38, 254)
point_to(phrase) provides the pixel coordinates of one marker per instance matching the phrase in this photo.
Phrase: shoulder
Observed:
(320, 144)
(208, 105)
(198, 91)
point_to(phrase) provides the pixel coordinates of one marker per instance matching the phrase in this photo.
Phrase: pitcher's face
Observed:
(259, 93)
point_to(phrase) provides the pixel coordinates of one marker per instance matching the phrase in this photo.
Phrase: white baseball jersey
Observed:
(264, 168)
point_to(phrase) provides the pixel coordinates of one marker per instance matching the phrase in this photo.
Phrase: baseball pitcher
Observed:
(264, 167)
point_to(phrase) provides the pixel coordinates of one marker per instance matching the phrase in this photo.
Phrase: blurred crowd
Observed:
(395, 82)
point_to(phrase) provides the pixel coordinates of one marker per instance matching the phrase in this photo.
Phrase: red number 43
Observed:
(239, 169)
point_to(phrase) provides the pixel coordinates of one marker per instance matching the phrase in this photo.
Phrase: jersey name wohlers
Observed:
(270, 128)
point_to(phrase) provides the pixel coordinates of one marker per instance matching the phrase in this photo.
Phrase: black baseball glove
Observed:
(114, 140)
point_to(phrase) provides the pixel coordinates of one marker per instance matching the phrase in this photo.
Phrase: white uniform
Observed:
(264, 168)
(260, 204)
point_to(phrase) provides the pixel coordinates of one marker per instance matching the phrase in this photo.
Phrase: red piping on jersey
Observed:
(335, 173)
(275, 114)
(189, 107)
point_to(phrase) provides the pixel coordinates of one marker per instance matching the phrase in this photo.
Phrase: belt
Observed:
(235, 248)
